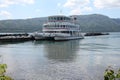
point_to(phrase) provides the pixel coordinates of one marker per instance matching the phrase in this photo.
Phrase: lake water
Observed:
(84, 59)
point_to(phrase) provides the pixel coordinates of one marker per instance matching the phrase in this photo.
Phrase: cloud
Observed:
(6, 3)
(80, 10)
(76, 3)
(75, 11)
(5, 14)
(106, 3)
(77, 6)
(59, 4)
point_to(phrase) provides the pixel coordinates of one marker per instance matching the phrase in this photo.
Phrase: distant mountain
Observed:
(88, 23)
(97, 23)
(22, 25)
(117, 21)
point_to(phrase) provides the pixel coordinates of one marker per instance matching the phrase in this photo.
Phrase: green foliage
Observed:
(3, 68)
(111, 75)
(118, 74)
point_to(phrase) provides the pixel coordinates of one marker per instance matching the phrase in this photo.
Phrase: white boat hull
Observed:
(68, 38)
(56, 36)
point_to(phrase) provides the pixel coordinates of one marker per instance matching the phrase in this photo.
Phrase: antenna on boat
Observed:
(60, 9)
(61, 12)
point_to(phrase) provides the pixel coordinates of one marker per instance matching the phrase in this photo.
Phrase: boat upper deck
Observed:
(59, 18)
(60, 23)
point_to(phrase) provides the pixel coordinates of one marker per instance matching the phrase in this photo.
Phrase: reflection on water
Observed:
(67, 60)
(61, 51)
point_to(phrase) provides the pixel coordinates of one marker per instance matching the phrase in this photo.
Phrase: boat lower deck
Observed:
(56, 36)
(59, 38)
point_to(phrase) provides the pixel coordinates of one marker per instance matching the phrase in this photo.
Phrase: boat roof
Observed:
(59, 16)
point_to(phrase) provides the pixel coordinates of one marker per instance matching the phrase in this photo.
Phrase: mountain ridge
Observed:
(88, 23)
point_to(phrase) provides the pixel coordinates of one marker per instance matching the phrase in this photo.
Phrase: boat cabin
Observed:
(58, 18)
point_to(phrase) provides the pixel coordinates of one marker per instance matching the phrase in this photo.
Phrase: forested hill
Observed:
(88, 23)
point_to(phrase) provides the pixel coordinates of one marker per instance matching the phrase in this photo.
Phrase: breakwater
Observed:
(95, 34)
(13, 37)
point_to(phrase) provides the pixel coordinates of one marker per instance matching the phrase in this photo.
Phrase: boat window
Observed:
(51, 18)
(67, 26)
(54, 18)
(64, 31)
(61, 18)
(63, 26)
(55, 25)
(68, 19)
(57, 18)
(70, 32)
(64, 18)
(46, 26)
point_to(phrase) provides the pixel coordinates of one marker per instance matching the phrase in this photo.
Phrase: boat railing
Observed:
(55, 34)
(62, 34)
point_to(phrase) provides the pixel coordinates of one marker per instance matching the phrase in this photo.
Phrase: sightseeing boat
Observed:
(59, 28)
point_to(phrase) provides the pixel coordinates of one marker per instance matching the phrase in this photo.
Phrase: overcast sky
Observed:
(22, 9)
